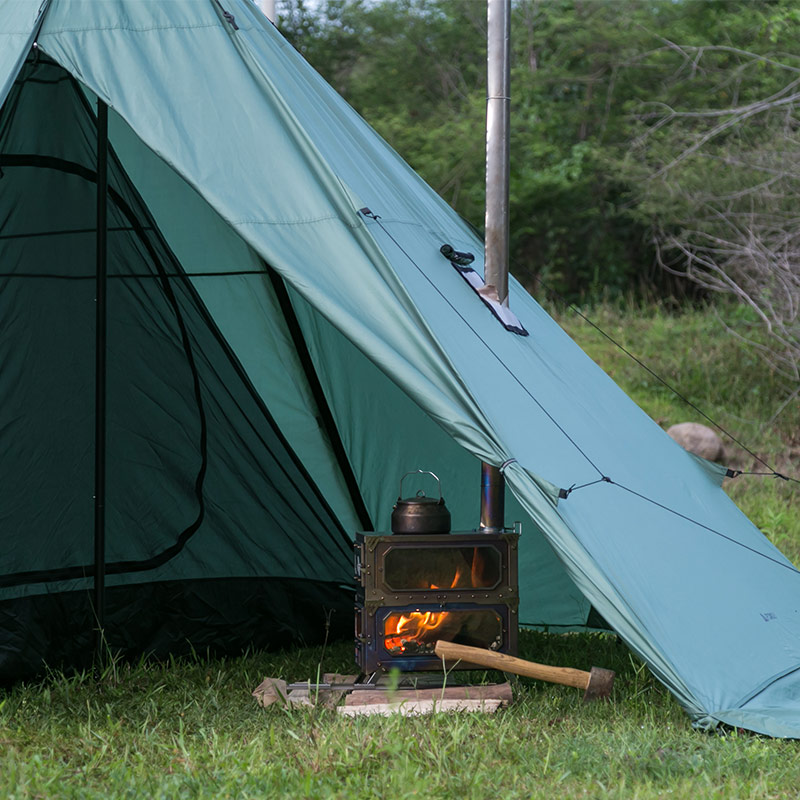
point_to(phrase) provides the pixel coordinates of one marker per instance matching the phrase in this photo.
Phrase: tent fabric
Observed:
(244, 173)
(21, 21)
(199, 468)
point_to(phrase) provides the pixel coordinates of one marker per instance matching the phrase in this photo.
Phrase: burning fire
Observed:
(411, 631)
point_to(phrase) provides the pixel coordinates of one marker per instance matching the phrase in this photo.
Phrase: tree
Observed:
(719, 172)
(416, 70)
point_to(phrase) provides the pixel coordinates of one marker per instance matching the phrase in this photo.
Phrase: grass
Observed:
(190, 729)
(695, 352)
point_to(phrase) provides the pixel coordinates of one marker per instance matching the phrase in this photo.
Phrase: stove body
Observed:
(416, 589)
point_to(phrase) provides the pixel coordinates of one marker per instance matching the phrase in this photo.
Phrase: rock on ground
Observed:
(698, 439)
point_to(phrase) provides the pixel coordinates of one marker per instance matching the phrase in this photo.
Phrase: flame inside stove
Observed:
(413, 632)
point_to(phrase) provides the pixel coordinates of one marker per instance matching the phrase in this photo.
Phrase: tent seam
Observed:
(771, 681)
(309, 221)
(132, 29)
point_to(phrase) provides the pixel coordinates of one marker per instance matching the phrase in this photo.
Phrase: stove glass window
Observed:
(425, 568)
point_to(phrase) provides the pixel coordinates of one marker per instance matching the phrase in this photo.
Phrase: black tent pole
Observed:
(100, 387)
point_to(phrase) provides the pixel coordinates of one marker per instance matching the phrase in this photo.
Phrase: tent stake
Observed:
(100, 386)
(498, 100)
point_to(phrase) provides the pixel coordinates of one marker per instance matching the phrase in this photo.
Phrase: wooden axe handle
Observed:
(530, 669)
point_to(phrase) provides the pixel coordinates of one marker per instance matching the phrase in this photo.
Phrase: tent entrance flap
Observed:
(200, 481)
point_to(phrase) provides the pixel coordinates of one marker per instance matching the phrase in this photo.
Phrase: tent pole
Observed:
(100, 385)
(325, 413)
(498, 85)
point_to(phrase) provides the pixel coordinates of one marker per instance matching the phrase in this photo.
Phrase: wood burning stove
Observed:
(415, 589)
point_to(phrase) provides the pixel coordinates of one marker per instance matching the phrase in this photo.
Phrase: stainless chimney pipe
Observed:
(268, 10)
(498, 102)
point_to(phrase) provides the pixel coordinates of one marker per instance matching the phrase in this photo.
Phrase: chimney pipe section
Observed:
(268, 9)
(498, 102)
(493, 499)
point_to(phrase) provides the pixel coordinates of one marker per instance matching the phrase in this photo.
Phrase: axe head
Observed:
(599, 685)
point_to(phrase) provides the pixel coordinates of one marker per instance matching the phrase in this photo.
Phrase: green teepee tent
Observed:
(283, 341)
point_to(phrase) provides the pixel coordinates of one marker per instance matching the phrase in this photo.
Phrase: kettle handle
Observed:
(422, 472)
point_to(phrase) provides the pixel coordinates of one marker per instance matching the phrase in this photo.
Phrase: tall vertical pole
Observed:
(268, 9)
(100, 385)
(498, 117)
(498, 102)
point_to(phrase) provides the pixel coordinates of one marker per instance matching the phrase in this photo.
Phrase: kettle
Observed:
(420, 514)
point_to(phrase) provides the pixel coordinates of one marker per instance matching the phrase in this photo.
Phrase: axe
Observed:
(596, 684)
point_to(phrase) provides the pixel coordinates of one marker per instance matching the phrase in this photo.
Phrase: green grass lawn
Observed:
(191, 729)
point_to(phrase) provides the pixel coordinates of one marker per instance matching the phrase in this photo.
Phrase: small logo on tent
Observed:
(768, 616)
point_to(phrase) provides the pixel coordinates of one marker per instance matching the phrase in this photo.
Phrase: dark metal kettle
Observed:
(420, 514)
